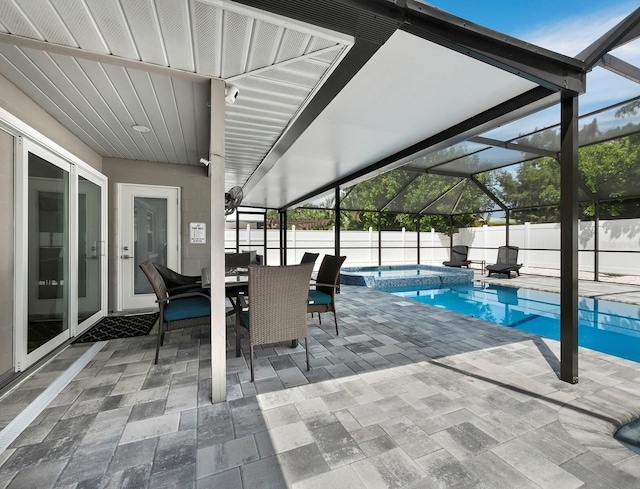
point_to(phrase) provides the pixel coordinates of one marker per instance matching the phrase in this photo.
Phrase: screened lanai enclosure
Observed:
(403, 115)
(504, 180)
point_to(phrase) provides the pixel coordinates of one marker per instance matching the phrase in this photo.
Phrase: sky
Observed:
(566, 27)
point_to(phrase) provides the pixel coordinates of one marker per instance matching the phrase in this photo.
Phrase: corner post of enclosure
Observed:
(338, 223)
(237, 231)
(283, 236)
(217, 219)
(418, 239)
(265, 236)
(569, 237)
(507, 223)
(596, 242)
(379, 238)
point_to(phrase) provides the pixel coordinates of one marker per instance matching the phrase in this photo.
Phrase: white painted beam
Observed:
(216, 175)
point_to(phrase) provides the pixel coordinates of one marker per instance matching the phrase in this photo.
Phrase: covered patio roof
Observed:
(329, 91)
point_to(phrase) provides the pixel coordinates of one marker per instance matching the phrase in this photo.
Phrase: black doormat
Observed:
(112, 327)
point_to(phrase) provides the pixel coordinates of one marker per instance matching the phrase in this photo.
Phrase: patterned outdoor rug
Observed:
(112, 327)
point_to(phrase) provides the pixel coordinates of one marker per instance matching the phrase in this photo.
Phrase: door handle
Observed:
(126, 257)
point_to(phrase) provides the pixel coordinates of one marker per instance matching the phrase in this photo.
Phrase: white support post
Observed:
(527, 243)
(216, 175)
(484, 242)
(370, 245)
(248, 237)
(404, 246)
(294, 244)
(433, 240)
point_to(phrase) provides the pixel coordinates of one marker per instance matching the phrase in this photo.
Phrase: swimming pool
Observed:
(605, 326)
(415, 276)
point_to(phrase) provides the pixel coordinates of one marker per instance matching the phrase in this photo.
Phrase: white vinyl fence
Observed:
(539, 245)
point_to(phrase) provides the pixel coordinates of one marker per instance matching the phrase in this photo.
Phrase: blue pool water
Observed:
(605, 326)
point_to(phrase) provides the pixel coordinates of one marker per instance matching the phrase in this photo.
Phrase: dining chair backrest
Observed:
(155, 279)
(278, 302)
(235, 260)
(309, 257)
(329, 272)
(173, 278)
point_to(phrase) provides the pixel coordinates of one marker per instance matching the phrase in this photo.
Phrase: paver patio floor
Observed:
(407, 396)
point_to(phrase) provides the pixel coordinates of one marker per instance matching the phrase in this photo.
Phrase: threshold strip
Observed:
(39, 404)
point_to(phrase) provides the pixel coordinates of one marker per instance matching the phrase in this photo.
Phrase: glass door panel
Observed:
(149, 237)
(48, 252)
(90, 249)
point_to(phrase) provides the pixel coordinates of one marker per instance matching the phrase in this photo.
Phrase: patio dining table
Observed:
(236, 284)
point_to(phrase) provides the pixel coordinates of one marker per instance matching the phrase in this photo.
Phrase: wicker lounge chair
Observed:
(507, 261)
(459, 255)
(184, 310)
(277, 306)
(322, 297)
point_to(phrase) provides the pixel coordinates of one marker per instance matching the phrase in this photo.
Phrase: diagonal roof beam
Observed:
(514, 146)
(544, 67)
(625, 31)
(404, 187)
(489, 193)
(422, 211)
(620, 67)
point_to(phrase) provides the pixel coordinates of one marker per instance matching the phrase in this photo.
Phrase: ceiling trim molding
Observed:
(109, 59)
(282, 21)
(313, 54)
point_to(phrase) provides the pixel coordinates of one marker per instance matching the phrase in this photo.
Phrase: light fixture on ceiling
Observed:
(231, 93)
(140, 128)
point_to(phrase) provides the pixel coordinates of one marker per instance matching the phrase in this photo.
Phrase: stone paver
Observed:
(406, 397)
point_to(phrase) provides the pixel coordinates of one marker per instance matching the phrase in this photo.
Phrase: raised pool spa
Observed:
(391, 276)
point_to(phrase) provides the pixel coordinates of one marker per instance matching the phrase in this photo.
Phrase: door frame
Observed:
(26, 136)
(148, 190)
(78, 328)
(24, 146)
(24, 358)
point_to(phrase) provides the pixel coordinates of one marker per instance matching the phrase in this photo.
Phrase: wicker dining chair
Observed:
(322, 296)
(177, 282)
(184, 310)
(309, 257)
(277, 306)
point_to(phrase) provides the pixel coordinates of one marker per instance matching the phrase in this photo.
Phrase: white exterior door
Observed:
(149, 230)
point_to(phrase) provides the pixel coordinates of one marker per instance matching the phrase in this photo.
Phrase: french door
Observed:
(60, 260)
(149, 230)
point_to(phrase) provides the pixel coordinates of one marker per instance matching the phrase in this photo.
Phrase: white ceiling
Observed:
(410, 89)
(102, 66)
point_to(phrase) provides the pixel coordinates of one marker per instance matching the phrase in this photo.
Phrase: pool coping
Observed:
(448, 275)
